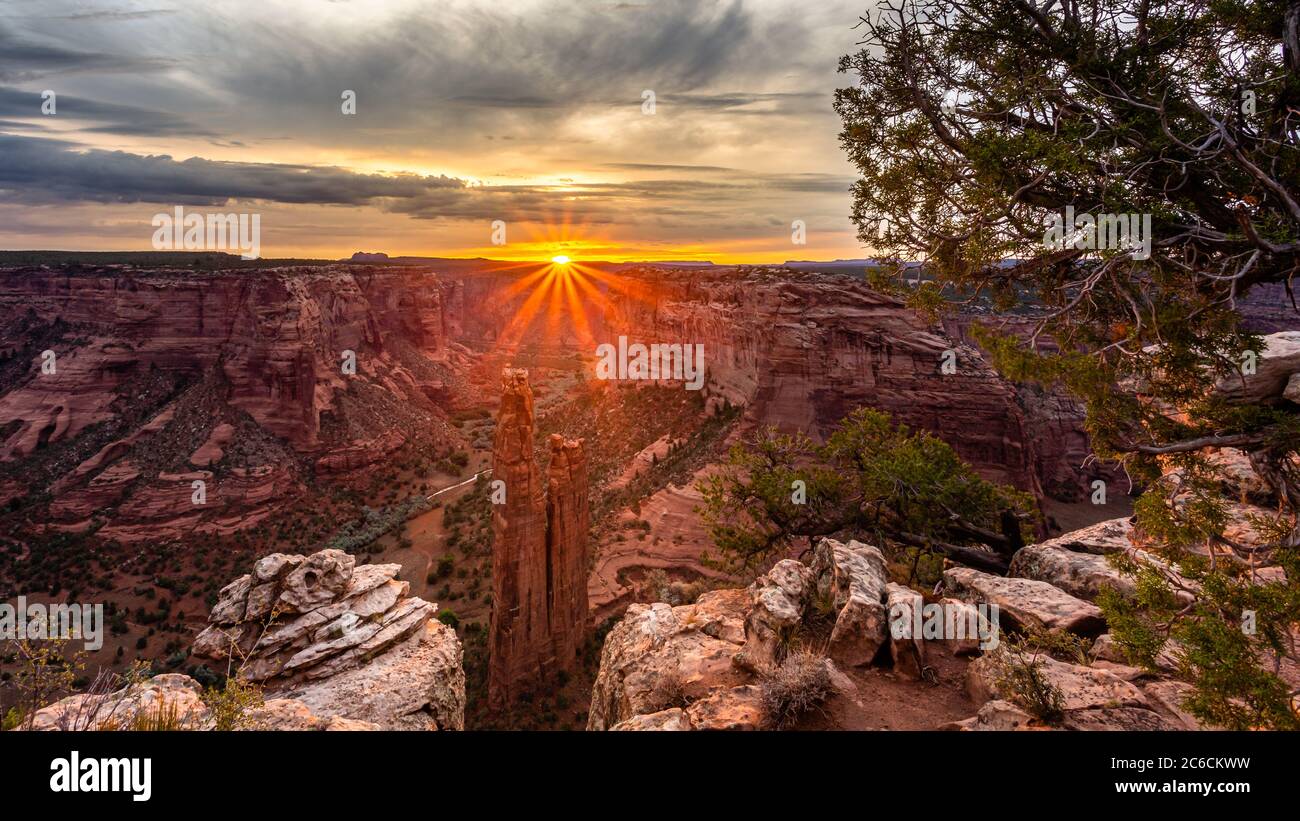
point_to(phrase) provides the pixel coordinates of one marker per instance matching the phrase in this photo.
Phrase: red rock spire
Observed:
(539, 552)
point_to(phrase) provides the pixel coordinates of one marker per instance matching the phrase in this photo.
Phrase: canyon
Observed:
(163, 378)
(343, 406)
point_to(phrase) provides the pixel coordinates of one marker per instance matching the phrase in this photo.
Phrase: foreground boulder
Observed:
(715, 664)
(1278, 361)
(1110, 536)
(853, 579)
(1105, 648)
(906, 648)
(999, 715)
(1091, 699)
(660, 657)
(1083, 575)
(1026, 602)
(174, 696)
(175, 702)
(780, 598)
(346, 641)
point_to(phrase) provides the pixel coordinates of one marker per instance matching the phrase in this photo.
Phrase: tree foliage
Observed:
(871, 477)
(973, 123)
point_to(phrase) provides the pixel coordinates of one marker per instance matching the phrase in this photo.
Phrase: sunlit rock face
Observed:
(539, 551)
(800, 352)
(568, 525)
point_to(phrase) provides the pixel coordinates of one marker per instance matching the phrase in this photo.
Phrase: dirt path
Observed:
(471, 480)
(886, 701)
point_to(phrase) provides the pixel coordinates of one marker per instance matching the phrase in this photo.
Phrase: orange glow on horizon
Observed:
(560, 296)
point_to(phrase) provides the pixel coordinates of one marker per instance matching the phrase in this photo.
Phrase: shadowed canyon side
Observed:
(539, 552)
(160, 378)
(800, 352)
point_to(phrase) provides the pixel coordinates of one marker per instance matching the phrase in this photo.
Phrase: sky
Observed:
(533, 113)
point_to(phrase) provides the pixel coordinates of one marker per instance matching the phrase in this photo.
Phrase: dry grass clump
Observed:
(669, 691)
(800, 683)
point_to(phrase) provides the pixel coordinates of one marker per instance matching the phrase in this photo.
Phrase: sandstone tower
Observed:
(539, 551)
(567, 525)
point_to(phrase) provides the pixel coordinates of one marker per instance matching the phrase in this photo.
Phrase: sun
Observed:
(561, 259)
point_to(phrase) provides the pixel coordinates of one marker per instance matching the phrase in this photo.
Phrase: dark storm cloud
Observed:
(43, 170)
(107, 117)
(451, 71)
(462, 70)
(23, 60)
(46, 171)
(742, 90)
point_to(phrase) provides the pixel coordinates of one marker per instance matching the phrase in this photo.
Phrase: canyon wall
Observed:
(277, 336)
(799, 351)
(802, 351)
(162, 378)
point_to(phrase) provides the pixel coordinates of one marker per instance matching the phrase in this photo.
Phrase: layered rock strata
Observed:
(800, 352)
(120, 387)
(343, 640)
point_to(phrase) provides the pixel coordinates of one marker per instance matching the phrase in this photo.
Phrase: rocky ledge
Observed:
(343, 640)
(332, 646)
(715, 664)
(176, 701)
(708, 665)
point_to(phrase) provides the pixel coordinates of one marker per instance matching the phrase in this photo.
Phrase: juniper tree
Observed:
(871, 478)
(972, 123)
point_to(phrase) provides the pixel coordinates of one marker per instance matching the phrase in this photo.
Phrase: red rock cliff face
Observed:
(518, 629)
(802, 352)
(169, 361)
(277, 336)
(1054, 419)
(539, 552)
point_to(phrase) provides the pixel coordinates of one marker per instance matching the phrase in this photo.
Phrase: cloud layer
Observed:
(466, 111)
